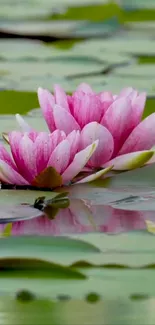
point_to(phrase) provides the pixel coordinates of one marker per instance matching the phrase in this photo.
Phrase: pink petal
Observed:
(85, 88)
(33, 135)
(117, 120)
(79, 162)
(5, 156)
(56, 137)
(94, 176)
(70, 103)
(138, 105)
(60, 157)
(103, 153)
(130, 160)
(47, 101)
(23, 124)
(27, 158)
(44, 148)
(44, 145)
(61, 97)
(64, 120)
(142, 137)
(74, 141)
(23, 153)
(14, 140)
(126, 91)
(87, 108)
(106, 99)
(9, 175)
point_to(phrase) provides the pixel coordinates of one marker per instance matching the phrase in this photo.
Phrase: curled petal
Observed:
(94, 176)
(60, 157)
(64, 120)
(9, 175)
(80, 160)
(23, 124)
(142, 137)
(131, 160)
(103, 153)
(47, 101)
(61, 97)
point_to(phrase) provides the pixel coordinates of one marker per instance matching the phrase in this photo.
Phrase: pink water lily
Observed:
(44, 160)
(125, 141)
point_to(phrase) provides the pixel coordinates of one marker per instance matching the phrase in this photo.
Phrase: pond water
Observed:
(95, 243)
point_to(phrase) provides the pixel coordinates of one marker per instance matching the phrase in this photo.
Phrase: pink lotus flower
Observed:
(115, 120)
(44, 160)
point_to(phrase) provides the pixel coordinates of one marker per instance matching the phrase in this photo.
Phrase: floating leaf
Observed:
(13, 213)
(19, 205)
(26, 267)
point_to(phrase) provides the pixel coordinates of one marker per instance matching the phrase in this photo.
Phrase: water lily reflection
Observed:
(81, 217)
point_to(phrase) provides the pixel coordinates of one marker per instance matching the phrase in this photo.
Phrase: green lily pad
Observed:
(61, 28)
(135, 310)
(138, 4)
(24, 196)
(117, 81)
(29, 75)
(10, 124)
(141, 180)
(97, 49)
(19, 205)
(130, 46)
(104, 281)
(145, 71)
(25, 50)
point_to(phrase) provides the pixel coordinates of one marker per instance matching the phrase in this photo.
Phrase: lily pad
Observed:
(119, 79)
(135, 310)
(145, 71)
(138, 4)
(19, 205)
(10, 124)
(13, 213)
(97, 48)
(60, 28)
(130, 46)
(25, 50)
(29, 75)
